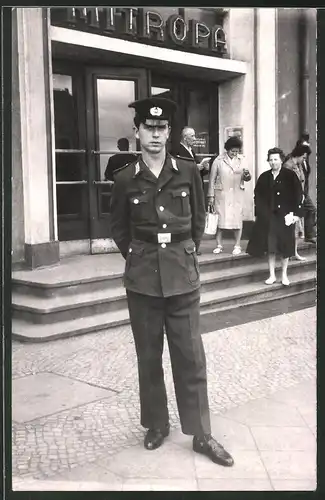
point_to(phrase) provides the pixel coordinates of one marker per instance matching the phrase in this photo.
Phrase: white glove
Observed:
(290, 219)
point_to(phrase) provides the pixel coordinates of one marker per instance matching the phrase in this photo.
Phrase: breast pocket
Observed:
(181, 202)
(192, 263)
(133, 263)
(139, 205)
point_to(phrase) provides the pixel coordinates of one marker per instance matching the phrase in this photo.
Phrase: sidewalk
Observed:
(76, 413)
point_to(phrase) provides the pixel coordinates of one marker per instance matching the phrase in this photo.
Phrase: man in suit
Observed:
(119, 160)
(309, 207)
(157, 221)
(185, 150)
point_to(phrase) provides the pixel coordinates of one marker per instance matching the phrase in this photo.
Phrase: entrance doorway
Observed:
(91, 115)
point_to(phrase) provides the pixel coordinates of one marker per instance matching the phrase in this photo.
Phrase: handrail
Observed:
(71, 182)
(110, 152)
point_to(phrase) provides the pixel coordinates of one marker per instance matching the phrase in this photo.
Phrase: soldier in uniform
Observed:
(157, 221)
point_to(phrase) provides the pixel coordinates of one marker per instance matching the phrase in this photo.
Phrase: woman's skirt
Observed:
(278, 242)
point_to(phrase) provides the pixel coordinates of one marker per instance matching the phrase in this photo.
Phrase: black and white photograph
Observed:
(163, 249)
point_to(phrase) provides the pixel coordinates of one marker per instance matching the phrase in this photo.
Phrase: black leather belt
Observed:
(153, 238)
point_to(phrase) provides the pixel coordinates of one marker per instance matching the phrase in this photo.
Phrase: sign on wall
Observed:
(234, 132)
(144, 26)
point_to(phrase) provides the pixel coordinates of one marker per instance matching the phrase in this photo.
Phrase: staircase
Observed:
(85, 294)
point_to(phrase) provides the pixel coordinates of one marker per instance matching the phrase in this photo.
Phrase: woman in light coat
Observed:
(226, 192)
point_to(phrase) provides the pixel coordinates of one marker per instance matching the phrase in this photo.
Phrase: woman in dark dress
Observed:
(278, 204)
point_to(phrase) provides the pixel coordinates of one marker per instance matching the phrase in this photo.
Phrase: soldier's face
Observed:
(153, 135)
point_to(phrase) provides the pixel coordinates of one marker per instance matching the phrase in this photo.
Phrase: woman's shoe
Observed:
(285, 281)
(270, 280)
(218, 249)
(299, 257)
(236, 250)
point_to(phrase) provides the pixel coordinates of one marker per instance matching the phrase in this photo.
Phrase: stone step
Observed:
(61, 308)
(216, 309)
(101, 272)
(251, 272)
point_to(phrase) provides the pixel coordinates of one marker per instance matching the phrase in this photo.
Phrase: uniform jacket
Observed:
(173, 203)
(275, 198)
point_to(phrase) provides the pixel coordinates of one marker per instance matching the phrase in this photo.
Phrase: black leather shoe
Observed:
(211, 448)
(155, 437)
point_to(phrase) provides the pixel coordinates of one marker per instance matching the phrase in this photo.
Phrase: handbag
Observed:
(211, 223)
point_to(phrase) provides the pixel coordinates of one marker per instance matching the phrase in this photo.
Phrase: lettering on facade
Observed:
(144, 26)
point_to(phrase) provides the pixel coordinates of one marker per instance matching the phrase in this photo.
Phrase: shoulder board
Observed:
(122, 168)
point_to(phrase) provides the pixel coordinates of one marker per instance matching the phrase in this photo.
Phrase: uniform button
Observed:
(278, 193)
(159, 190)
(161, 208)
(136, 201)
(278, 206)
(183, 194)
(130, 250)
(164, 226)
(163, 245)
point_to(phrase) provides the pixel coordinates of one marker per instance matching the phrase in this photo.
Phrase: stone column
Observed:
(266, 80)
(41, 245)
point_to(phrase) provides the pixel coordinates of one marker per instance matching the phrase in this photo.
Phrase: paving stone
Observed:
(234, 485)
(137, 462)
(136, 485)
(52, 485)
(290, 464)
(93, 473)
(244, 363)
(266, 412)
(248, 465)
(284, 438)
(294, 485)
(173, 485)
(42, 394)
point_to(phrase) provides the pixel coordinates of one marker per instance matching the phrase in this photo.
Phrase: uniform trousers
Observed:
(179, 314)
(310, 218)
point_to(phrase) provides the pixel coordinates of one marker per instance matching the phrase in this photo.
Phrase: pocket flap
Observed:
(183, 193)
(137, 250)
(189, 249)
(141, 198)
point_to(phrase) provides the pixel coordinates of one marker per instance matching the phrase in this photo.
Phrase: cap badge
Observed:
(156, 111)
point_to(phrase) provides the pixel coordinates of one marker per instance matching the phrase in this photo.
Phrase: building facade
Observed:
(244, 71)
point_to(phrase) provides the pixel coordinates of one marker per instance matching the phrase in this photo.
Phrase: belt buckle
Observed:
(164, 237)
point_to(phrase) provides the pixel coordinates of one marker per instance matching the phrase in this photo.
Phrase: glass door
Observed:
(70, 153)
(109, 91)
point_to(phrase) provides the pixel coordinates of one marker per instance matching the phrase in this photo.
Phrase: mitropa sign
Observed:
(146, 26)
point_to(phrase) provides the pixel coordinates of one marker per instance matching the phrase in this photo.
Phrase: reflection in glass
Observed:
(105, 199)
(69, 199)
(199, 118)
(161, 91)
(65, 115)
(115, 119)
